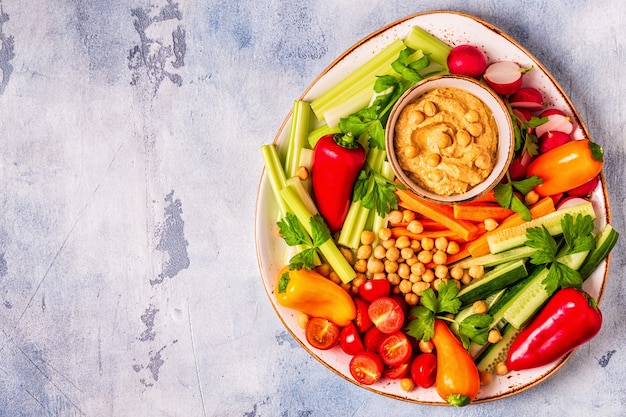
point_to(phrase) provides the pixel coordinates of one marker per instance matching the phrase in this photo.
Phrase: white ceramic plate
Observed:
(454, 28)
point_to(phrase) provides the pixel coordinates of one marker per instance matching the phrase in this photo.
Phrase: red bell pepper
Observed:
(569, 319)
(337, 161)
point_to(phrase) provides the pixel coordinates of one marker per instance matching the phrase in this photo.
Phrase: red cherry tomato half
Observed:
(386, 314)
(366, 367)
(362, 320)
(424, 369)
(395, 349)
(321, 333)
(397, 371)
(372, 339)
(350, 340)
(372, 289)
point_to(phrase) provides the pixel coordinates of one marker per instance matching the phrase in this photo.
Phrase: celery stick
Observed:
(380, 221)
(329, 250)
(438, 50)
(275, 174)
(363, 78)
(320, 132)
(303, 194)
(298, 136)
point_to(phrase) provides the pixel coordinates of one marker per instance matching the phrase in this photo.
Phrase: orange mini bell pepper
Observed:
(315, 295)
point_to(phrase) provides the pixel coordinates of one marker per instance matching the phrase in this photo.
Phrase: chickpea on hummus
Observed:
(446, 141)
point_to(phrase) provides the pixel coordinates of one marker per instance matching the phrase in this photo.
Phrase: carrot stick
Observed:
(488, 197)
(441, 213)
(396, 232)
(461, 254)
(480, 212)
(480, 246)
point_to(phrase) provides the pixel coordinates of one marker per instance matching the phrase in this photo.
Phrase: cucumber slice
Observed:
(497, 352)
(502, 276)
(516, 236)
(606, 239)
(493, 259)
(528, 301)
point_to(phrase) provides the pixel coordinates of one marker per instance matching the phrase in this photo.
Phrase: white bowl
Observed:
(506, 139)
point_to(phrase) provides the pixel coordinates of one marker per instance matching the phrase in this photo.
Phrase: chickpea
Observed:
(407, 384)
(463, 138)
(375, 266)
(415, 226)
(437, 282)
(405, 286)
(302, 172)
(334, 277)
(360, 265)
(404, 271)
(364, 252)
(389, 243)
(433, 160)
(471, 116)
(406, 253)
(323, 269)
(380, 252)
(482, 161)
(441, 271)
(411, 261)
(403, 242)
(435, 175)
(392, 254)
(302, 319)
(479, 307)
(394, 279)
(425, 256)
(531, 197)
(416, 117)
(441, 243)
(494, 336)
(408, 216)
(416, 245)
(476, 271)
(430, 109)
(501, 369)
(427, 243)
(440, 257)
(490, 224)
(410, 151)
(415, 278)
(379, 275)
(418, 268)
(453, 248)
(411, 298)
(456, 272)
(486, 378)
(443, 140)
(347, 253)
(367, 237)
(391, 267)
(426, 347)
(347, 287)
(359, 280)
(475, 129)
(394, 216)
(419, 287)
(466, 279)
(384, 233)
(428, 276)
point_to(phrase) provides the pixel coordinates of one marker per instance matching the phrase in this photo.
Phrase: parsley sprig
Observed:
(506, 197)
(294, 234)
(578, 236)
(473, 328)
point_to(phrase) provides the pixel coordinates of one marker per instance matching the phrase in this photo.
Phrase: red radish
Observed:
(517, 169)
(548, 112)
(552, 139)
(556, 122)
(523, 114)
(527, 98)
(467, 60)
(571, 202)
(585, 189)
(504, 77)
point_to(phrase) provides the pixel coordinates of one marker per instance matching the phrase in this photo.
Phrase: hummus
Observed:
(446, 141)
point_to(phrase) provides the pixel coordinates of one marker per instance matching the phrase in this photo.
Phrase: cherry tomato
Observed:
(362, 320)
(372, 289)
(424, 369)
(386, 314)
(350, 340)
(321, 333)
(372, 339)
(366, 367)
(395, 349)
(397, 371)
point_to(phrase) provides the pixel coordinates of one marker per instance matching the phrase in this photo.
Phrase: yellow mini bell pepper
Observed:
(315, 295)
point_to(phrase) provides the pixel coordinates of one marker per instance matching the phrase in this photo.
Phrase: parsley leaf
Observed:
(540, 239)
(506, 197)
(295, 234)
(578, 234)
(422, 327)
(382, 195)
(475, 328)
(446, 301)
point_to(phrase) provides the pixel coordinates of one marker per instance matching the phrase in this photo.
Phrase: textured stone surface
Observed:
(129, 164)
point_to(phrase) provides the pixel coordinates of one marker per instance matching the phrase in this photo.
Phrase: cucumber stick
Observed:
(497, 352)
(515, 236)
(500, 277)
(493, 259)
(606, 239)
